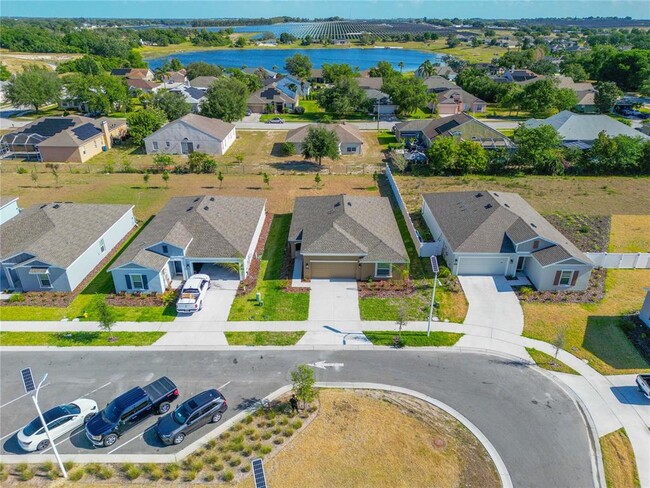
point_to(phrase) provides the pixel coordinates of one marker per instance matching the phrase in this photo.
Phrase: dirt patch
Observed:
(590, 233)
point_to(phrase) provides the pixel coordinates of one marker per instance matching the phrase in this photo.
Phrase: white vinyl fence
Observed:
(425, 249)
(617, 260)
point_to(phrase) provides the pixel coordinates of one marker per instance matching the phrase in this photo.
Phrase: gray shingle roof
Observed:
(58, 233)
(346, 224)
(210, 227)
(6, 199)
(582, 127)
(203, 81)
(489, 222)
(347, 133)
(213, 128)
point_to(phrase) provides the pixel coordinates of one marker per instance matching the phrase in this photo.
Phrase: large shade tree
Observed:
(35, 86)
(320, 142)
(298, 65)
(226, 100)
(172, 103)
(145, 122)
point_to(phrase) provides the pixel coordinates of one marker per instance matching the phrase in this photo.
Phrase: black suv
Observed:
(196, 412)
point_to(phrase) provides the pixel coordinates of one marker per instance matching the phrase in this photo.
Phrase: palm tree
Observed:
(401, 66)
(426, 69)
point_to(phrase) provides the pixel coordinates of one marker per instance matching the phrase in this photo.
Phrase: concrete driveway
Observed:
(332, 300)
(219, 298)
(492, 303)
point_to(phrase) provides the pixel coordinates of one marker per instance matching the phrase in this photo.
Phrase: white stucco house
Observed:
(185, 236)
(499, 233)
(191, 133)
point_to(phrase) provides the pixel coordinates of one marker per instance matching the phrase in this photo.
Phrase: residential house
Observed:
(442, 71)
(438, 84)
(55, 246)
(517, 76)
(214, 235)
(645, 129)
(317, 76)
(585, 92)
(261, 72)
(456, 101)
(293, 87)
(8, 208)
(271, 99)
(203, 82)
(461, 126)
(345, 236)
(374, 83)
(193, 96)
(350, 139)
(380, 102)
(644, 314)
(191, 133)
(146, 86)
(134, 73)
(500, 234)
(174, 79)
(581, 130)
(71, 139)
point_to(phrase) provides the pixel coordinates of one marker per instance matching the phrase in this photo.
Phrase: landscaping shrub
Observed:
(299, 110)
(92, 468)
(22, 171)
(266, 436)
(247, 451)
(245, 468)
(155, 474)
(288, 432)
(297, 424)
(227, 476)
(53, 475)
(235, 462)
(47, 466)
(133, 473)
(190, 475)
(75, 474)
(172, 471)
(217, 466)
(283, 421)
(278, 440)
(248, 419)
(68, 465)
(26, 474)
(265, 449)
(16, 298)
(105, 473)
(208, 477)
(224, 435)
(211, 458)
(212, 443)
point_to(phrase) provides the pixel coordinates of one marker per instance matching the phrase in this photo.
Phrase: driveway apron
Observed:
(333, 300)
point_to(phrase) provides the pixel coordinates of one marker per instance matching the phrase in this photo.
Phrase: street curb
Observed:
(506, 481)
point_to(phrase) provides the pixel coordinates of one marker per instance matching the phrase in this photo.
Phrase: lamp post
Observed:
(28, 383)
(434, 267)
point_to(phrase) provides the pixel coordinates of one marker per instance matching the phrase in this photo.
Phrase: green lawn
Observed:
(263, 338)
(101, 285)
(71, 339)
(545, 361)
(414, 339)
(277, 303)
(385, 138)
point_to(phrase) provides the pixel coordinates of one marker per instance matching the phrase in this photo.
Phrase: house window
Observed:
(155, 145)
(138, 282)
(102, 246)
(168, 144)
(565, 277)
(165, 249)
(383, 270)
(535, 244)
(351, 149)
(44, 280)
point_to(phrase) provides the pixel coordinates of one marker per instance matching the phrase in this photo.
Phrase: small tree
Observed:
(317, 179)
(34, 176)
(145, 178)
(165, 177)
(321, 142)
(106, 317)
(220, 178)
(303, 384)
(162, 161)
(559, 341)
(239, 158)
(402, 315)
(266, 179)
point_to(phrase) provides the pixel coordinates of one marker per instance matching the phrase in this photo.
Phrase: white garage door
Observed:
(482, 266)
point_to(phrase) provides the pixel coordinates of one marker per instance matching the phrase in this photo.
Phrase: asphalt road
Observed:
(533, 424)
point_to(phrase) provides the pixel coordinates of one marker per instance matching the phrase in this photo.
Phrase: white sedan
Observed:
(60, 421)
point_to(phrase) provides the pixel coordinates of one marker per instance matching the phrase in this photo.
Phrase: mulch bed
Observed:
(595, 291)
(254, 269)
(387, 288)
(141, 299)
(63, 299)
(590, 233)
(639, 334)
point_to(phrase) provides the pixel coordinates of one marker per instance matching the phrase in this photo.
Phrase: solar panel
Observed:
(258, 473)
(49, 126)
(85, 131)
(28, 380)
(448, 126)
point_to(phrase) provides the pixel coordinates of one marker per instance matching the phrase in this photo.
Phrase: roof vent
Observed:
(478, 195)
(197, 199)
(337, 204)
(43, 206)
(212, 199)
(349, 204)
(533, 225)
(189, 209)
(496, 194)
(206, 208)
(56, 206)
(506, 205)
(489, 205)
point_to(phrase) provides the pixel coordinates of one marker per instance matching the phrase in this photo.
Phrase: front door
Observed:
(520, 263)
(187, 147)
(178, 267)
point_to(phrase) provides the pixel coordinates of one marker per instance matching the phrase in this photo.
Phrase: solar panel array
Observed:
(49, 127)
(28, 380)
(258, 473)
(86, 131)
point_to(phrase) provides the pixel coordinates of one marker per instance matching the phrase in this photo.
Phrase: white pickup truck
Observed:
(193, 294)
(643, 382)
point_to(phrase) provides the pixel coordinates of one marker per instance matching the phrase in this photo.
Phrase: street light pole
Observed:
(434, 267)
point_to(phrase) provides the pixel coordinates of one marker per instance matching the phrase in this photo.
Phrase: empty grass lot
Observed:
(545, 361)
(630, 233)
(363, 439)
(414, 339)
(277, 303)
(71, 339)
(618, 458)
(263, 338)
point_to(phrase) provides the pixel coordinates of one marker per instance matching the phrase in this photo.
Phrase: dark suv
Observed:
(196, 412)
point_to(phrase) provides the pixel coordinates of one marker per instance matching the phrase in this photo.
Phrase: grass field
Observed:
(545, 361)
(618, 458)
(593, 330)
(630, 233)
(547, 194)
(277, 303)
(414, 339)
(364, 439)
(15, 61)
(71, 339)
(263, 338)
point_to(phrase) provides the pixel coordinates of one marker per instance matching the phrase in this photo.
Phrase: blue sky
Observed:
(359, 9)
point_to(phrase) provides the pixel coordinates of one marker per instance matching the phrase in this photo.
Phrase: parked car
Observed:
(275, 120)
(60, 420)
(129, 409)
(193, 293)
(643, 382)
(208, 406)
(248, 111)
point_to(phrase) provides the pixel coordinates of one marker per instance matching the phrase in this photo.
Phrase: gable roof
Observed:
(347, 133)
(438, 83)
(6, 200)
(203, 81)
(142, 84)
(370, 82)
(208, 226)
(214, 128)
(270, 94)
(493, 222)
(453, 94)
(58, 233)
(585, 127)
(189, 93)
(346, 224)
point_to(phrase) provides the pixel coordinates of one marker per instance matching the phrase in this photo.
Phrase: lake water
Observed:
(362, 58)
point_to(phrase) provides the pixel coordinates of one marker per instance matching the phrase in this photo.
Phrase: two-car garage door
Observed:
(329, 269)
(471, 265)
